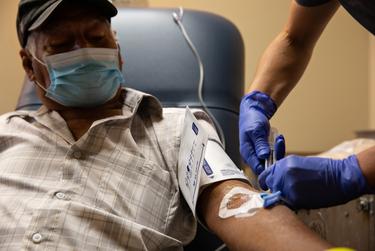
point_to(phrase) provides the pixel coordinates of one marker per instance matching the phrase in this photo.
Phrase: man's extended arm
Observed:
(286, 58)
(269, 229)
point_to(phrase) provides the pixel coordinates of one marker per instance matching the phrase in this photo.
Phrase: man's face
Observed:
(71, 27)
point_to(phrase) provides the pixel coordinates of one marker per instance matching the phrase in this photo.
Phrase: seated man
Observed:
(96, 166)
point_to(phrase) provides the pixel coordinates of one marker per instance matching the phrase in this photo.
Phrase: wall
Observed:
(372, 81)
(330, 103)
(10, 64)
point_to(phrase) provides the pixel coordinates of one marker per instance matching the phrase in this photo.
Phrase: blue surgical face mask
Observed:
(85, 77)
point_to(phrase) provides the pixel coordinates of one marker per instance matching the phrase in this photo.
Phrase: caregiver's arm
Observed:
(286, 58)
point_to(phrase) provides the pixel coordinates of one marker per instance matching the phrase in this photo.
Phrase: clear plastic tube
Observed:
(177, 17)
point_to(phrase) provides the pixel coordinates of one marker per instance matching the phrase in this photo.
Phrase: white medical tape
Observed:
(240, 202)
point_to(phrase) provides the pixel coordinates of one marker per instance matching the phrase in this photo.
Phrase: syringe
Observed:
(271, 141)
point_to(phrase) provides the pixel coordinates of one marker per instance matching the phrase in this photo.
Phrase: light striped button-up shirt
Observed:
(115, 188)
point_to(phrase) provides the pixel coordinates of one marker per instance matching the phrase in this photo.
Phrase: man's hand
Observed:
(255, 110)
(312, 182)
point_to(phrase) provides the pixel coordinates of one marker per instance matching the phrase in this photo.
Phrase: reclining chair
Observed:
(159, 61)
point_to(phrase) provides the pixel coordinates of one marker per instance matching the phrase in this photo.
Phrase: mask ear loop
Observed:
(40, 86)
(42, 63)
(37, 59)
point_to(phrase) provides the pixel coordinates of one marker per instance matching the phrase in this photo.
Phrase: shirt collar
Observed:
(137, 101)
(141, 102)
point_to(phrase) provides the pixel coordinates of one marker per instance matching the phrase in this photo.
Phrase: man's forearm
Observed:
(269, 229)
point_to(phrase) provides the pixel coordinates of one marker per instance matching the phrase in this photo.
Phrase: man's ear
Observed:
(27, 64)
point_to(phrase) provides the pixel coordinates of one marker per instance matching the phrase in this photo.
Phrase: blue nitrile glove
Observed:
(279, 147)
(312, 182)
(255, 110)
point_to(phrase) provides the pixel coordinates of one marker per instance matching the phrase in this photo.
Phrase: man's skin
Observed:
(74, 27)
(288, 55)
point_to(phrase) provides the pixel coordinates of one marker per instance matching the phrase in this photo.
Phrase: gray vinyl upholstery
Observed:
(159, 61)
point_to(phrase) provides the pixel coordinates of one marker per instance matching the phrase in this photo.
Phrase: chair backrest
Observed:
(159, 61)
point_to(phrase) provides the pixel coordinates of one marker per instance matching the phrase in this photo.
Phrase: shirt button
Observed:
(77, 154)
(60, 195)
(37, 238)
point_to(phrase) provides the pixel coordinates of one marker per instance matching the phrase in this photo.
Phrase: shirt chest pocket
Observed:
(137, 189)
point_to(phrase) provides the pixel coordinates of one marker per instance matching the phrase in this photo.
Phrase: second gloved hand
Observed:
(255, 111)
(312, 182)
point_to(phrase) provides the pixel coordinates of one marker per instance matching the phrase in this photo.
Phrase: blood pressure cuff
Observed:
(217, 166)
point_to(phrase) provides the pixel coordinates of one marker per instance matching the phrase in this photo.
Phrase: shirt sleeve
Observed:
(311, 3)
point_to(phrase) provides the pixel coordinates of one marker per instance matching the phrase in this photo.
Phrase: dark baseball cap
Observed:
(33, 13)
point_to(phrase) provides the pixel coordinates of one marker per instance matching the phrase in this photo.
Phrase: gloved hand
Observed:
(255, 110)
(279, 147)
(312, 182)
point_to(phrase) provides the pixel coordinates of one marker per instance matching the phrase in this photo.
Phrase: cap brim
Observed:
(112, 11)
